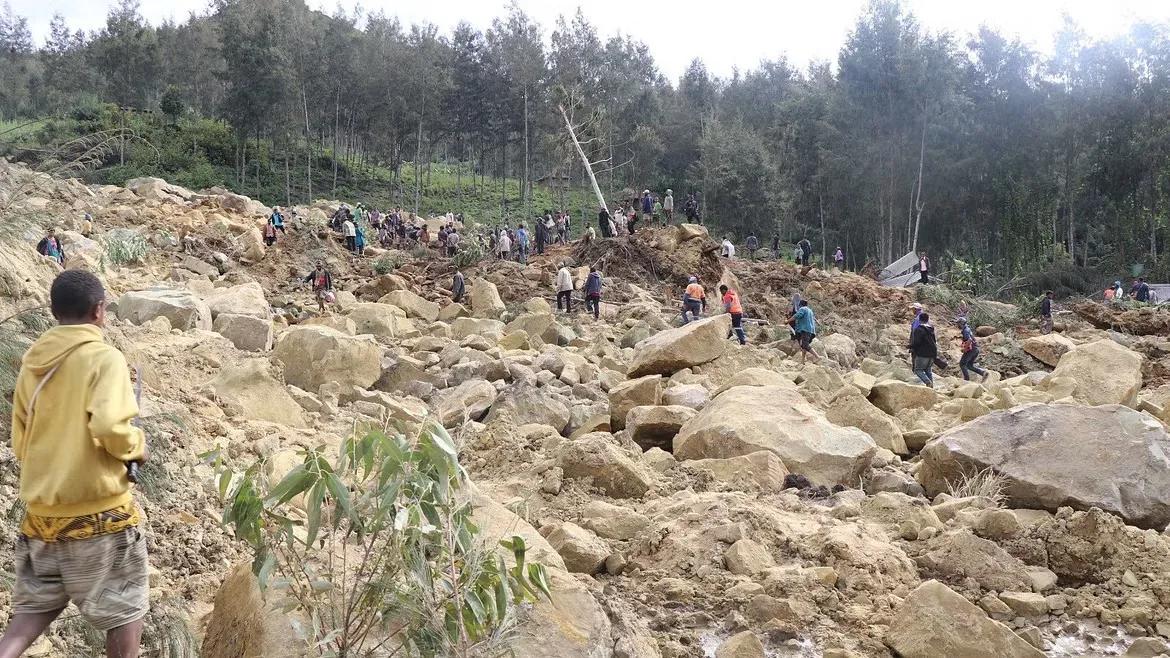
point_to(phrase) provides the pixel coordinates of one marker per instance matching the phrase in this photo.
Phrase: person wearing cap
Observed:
(668, 207)
(970, 349)
(917, 308)
(694, 300)
(458, 287)
(732, 307)
(604, 222)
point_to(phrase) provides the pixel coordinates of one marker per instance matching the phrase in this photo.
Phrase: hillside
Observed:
(688, 496)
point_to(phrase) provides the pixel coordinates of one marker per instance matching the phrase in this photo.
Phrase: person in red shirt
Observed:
(732, 306)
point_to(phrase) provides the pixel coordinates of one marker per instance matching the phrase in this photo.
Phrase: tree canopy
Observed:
(973, 145)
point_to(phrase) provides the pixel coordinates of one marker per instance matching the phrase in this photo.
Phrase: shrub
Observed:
(388, 262)
(469, 254)
(125, 247)
(377, 548)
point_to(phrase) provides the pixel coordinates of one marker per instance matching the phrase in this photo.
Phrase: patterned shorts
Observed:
(104, 576)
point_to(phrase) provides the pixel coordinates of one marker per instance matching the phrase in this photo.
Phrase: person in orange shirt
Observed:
(694, 301)
(732, 306)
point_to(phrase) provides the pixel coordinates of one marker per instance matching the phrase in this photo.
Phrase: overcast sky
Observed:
(726, 34)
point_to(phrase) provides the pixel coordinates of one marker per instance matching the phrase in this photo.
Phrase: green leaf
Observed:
(262, 566)
(313, 505)
(538, 575)
(341, 495)
(295, 483)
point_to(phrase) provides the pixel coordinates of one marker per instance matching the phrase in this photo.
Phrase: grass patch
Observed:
(984, 483)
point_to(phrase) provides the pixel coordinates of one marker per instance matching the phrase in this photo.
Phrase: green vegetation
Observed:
(378, 549)
(125, 247)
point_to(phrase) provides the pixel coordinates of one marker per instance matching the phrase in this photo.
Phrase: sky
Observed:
(727, 34)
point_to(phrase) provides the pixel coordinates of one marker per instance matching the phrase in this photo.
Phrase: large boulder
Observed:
(582, 551)
(959, 556)
(640, 392)
(244, 299)
(894, 396)
(935, 621)
(762, 469)
(313, 355)
(485, 299)
(184, 310)
(849, 408)
(523, 403)
(613, 521)
(464, 327)
(570, 625)
(252, 392)
(246, 332)
(692, 344)
(415, 306)
(746, 419)
(1105, 373)
(1047, 348)
(471, 399)
(1053, 456)
(381, 320)
(598, 458)
(158, 189)
(656, 426)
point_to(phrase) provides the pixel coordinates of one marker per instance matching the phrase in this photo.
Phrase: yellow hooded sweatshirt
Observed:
(73, 444)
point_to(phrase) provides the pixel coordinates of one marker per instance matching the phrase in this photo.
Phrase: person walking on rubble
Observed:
(694, 300)
(804, 322)
(565, 288)
(733, 308)
(924, 349)
(970, 350)
(322, 282)
(593, 292)
(73, 434)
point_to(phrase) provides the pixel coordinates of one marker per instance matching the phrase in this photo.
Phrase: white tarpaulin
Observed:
(900, 266)
(902, 280)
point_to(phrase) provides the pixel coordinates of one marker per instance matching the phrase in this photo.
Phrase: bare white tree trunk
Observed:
(584, 158)
(308, 145)
(918, 194)
(527, 190)
(417, 171)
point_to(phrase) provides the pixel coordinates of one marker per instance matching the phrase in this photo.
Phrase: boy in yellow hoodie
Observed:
(72, 433)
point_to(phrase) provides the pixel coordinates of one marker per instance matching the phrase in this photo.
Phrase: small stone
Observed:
(742, 645)
(997, 524)
(1032, 635)
(745, 590)
(615, 564)
(1129, 579)
(746, 558)
(1025, 604)
(927, 533)
(1056, 602)
(995, 608)
(1042, 579)
(1148, 646)
(908, 529)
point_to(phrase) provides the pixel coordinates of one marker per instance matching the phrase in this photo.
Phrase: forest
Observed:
(973, 146)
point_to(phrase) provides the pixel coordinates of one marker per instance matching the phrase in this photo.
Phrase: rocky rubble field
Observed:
(691, 497)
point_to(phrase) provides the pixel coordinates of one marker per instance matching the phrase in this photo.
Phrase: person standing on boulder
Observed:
(805, 325)
(924, 350)
(970, 349)
(457, 287)
(50, 246)
(733, 308)
(1046, 313)
(322, 284)
(565, 287)
(694, 300)
(593, 292)
(74, 437)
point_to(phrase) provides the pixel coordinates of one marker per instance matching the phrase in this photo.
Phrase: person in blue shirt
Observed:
(805, 324)
(277, 220)
(50, 246)
(970, 349)
(522, 243)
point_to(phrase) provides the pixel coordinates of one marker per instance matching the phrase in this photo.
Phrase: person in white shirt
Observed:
(728, 249)
(505, 245)
(452, 243)
(668, 207)
(349, 230)
(565, 287)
